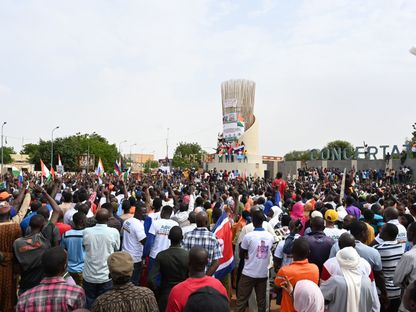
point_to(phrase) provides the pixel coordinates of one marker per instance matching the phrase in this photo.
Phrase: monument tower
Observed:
(240, 129)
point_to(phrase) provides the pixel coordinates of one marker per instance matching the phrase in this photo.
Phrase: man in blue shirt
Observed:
(72, 242)
(34, 206)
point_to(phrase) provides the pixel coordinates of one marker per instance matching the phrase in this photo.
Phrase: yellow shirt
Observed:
(371, 235)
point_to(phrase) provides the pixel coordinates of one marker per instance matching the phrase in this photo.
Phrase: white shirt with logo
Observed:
(133, 234)
(160, 229)
(258, 244)
(334, 233)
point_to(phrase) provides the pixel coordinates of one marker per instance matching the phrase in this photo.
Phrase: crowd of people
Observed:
(207, 242)
(231, 151)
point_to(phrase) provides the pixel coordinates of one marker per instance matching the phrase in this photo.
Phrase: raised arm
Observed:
(56, 210)
(22, 210)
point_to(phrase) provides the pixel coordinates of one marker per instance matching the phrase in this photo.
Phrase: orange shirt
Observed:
(298, 270)
(248, 205)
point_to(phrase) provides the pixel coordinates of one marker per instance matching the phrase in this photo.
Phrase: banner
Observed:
(230, 103)
(229, 118)
(232, 131)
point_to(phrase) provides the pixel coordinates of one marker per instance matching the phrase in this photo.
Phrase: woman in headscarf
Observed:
(297, 213)
(307, 296)
(350, 292)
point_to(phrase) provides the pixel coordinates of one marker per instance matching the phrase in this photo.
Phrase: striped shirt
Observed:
(390, 253)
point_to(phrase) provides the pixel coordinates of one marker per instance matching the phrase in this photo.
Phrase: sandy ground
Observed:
(274, 307)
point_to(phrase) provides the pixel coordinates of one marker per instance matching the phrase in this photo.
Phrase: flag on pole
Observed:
(15, 172)
(45, 171)
(53, 173)
(222, 231)
(100, 168)
(20, 177)
(59, 166)
(126, 174)
(117, 168)
(240, 122)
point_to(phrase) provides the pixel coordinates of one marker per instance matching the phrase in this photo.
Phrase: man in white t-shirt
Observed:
(244, 231)
(256, 250)
(331, 230)
(159, 232)
(391, 215)
(134, 239)
(276, 216)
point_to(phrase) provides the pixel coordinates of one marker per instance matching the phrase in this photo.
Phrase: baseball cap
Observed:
(120, 264)
(5, 196)
(331, 215)
(211, 298)
(316, 213)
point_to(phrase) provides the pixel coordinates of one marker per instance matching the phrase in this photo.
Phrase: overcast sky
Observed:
(129, 70)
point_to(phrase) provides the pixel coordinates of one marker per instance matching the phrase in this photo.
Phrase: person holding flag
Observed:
(117, 168)
(60, 167)
(45, 171)
(223, 232)
(100, 168)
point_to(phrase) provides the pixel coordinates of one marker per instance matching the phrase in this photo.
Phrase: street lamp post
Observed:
(119, 147)
(1, 172)
(130, 151)
(53, 130)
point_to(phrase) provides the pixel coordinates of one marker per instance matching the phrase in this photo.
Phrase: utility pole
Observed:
(2, 126)
(88, 158)
(167, 145)
(53, 130)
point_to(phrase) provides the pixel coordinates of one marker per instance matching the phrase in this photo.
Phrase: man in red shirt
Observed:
(280, 185)
(198, 260)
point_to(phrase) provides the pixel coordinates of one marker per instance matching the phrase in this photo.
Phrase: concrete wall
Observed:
(290, 167)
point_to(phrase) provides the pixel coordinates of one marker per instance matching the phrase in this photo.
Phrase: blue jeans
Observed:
(149, 268)
(93, 291)
(137, 270)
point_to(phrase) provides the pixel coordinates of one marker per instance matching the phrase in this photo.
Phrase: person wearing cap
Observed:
(331, 230)
(5, 206)
(9, 232)
(125, 296)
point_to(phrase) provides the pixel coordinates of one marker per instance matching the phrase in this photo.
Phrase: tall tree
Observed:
(7, 154)
(71, 148)
(188, 155)
(340, 144)
(297, 155)
(149, 165)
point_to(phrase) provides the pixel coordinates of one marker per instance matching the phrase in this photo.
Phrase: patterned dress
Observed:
(9, 232)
